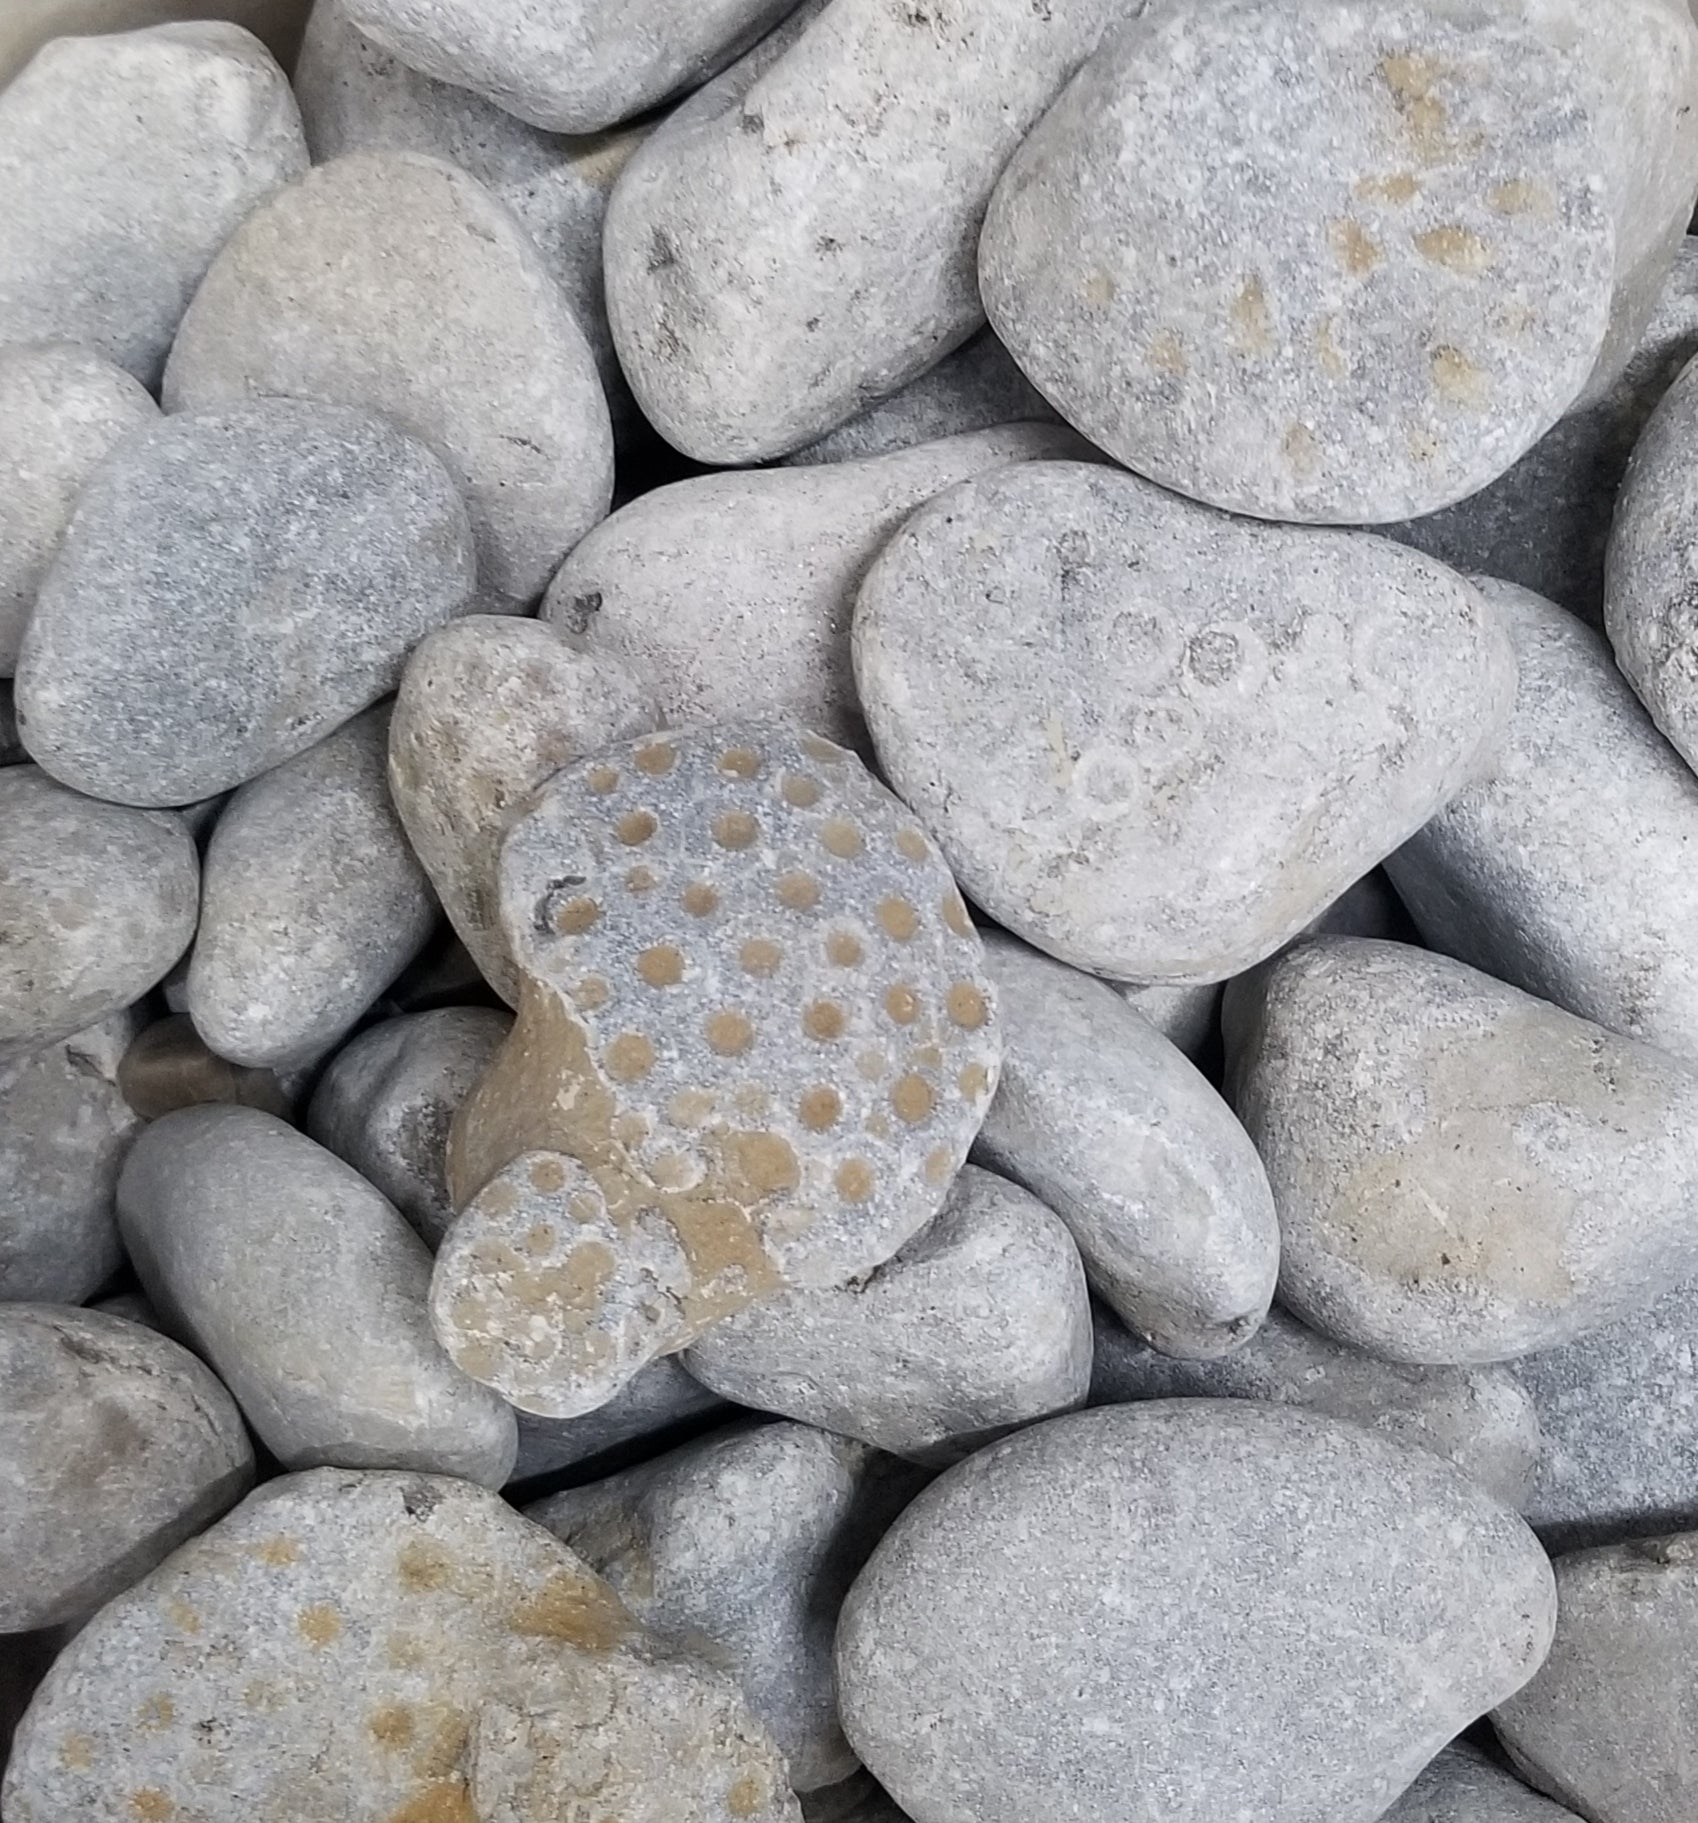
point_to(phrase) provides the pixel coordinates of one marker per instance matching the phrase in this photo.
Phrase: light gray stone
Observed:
(169, 1066)
(399, 284)
(126, 162)
(384, 1646)
(233, 587)
(305, 1289)
(24, 29)
(1463, 1173)
(981, 1323)
(1194, 1609)
(655, 1404)
(118, 1445)
(1187, 1017)
(1163, 780)
(1463, 1786)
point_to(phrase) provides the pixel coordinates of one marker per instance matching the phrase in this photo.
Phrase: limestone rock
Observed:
(1463, 1786)
(660, 1402)
(22, 33)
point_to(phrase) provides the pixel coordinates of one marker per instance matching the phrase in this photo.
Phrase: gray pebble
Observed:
(118, 1445)
(981, 1323)
(1463, 1173)
(1187, 1017)
(385, 1104)
(1193, 1609)
(234, 586)
(97, 901)
(398, 283)
(126, 161)
(306, 1290)
(1298, 700)
(1463, 1786)
(658, 1401)
(169, 1066)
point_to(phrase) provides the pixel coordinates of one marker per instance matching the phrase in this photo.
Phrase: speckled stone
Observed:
(118, 1445)
(1196, 1609)
(233, 587)
(753, 1009)
(1087, 750)
(398, 283)
(745, 1543)
(661, 1403)
(386, 1646)
(97, 902)
(981, 1323)
(489, 708)
(1606, 1726)
(1463, 1173)
(306, 1291)
(169, 1066)
(1567, 869)
(1479, 1419)
(64, 1127)
(1463, 1786)
(732, 593)
(384, 1104)
(1117, 1132)
(126, 161)
(61, 409)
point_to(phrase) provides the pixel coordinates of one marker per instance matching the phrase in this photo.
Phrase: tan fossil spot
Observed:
(575, 1607)
(729, 1033)
(76, 1752)
(1458, 380)
(1167, 354)
(592, 993)
(967, 1006)
(760, 956)
(278, 1552)
(635, 827)
(898, 919)
(1353, 247)
(576, 916)
(913, 1099)
(630, 1057)
(641, 880)
(318, 1624)
(1100, 290)
(1456, 249)
(799, 791)
(1251, 325)
(657, 759)
(442, 1801)
(549, 1176)
(824, 1020)
(911, 845)
(151, 1805)
(902, 1004)
(182, 1616)
(820, 1109)
(661, 965)
(974, 1081)
(1423, 446)
(798, 891)
(1327, 350)
(1399, 187)
(745, 1797)
(602, 780)
(854, 1180)
(540, 1237)
(689, 1107)
(940, 1165)
(844, 950)
(740, 762)
(422, 1565)
(735, 829)
(1301, 453)
(1411, 76)
(766, 1162)
(157, 1713)
(1521, 196)
(392, 1726)
(752, 1101)
(840, 837)
(700, 899)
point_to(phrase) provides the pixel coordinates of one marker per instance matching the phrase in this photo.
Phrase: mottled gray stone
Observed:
(1567, 869)
(126, 162)
(61, 409)
(312, 902)
(1163, 779)
(1463, 1786)
(385, 1104)
(96, 903)
(170, 1066)
(753, 306)
(118, 1445)
(731, 594)
(233, 587)
(386, 1646)
(399, 284)
(981, 1323)
(742, 1546)
(306, 1291)
(1480, 1419)
(1606, 1726)
(1463, 1173)
(659, 1399)
(1195, 1609)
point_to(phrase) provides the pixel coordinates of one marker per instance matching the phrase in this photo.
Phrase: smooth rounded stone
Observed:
(1463, 1786)
(755, 308)
(1606, 1726)
(489, 708)
(1463, 1173)
(385, 1103)
(132, 1306)
(1187, 1017)
(61, 409)
(118, 1445)
(1086, 748)
(126, 162)
(305, 1289)
(653, 1405)
(26, 25)
(1278, 259)
(1180, 1590)
(733, 593)
(233, 587)
(1479, 1419)
(380, 1645)
(1567, 869)
(982, 1322)
(753, 1045)
(169, 1066)
(312, 902)
(398, 283)
(1115, 1130)
(742, 1546)
(96, 901)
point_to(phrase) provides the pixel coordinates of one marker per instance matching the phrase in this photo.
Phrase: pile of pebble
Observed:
(849, 914)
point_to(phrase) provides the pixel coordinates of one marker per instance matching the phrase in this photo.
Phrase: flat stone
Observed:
(399, 284)
(118, 1445)
(981, 1323)
(305, 1289)
(488, 709)
(1463, 1786)
(169, 1067)
(1301, 700)
(388, 1646)
(126, 162)
(1463, 1173)
(656, 1406)
(1177, 1592)
(97, 900)
(235, 586)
